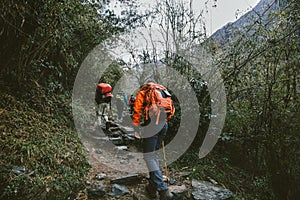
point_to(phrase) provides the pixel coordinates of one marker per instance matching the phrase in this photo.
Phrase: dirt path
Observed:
(98, 167)
(97, 161)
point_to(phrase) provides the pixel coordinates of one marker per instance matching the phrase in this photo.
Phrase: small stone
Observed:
(127, 129)
(122, 162)
(172, 182)
(87, 182)
(116, 134)
(114, 129)
(18, 170)
(116, 141)
(98, 151)
(129, 137)
(100, 176)
(121, 148)
(130, 157)
(184, 174)
(212, 181)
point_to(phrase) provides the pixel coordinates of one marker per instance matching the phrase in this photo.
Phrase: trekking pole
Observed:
(165, 160)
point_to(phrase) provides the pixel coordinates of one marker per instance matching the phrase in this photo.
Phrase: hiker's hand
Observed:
(137, 134)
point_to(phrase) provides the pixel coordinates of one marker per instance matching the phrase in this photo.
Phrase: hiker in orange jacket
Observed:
(153, 133)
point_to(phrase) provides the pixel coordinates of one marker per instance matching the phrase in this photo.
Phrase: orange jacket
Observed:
(140, 104)
(138, 108)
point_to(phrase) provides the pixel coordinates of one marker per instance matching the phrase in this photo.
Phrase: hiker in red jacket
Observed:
(103, 98)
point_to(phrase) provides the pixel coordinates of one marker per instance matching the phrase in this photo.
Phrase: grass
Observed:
(217, 167)
(46, 145)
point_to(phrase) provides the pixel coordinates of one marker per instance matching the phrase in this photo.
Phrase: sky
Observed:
(219, 15)
(220, 12)
(226, 12)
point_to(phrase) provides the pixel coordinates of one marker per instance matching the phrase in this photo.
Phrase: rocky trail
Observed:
(104, 182)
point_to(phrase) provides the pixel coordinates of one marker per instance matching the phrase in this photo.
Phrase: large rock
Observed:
(180, 191)
(118, 190)
(202, 190)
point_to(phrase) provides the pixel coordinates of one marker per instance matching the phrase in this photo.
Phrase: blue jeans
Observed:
(150, 145)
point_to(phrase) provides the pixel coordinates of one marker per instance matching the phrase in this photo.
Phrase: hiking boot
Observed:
(166, 195)
(151, 191)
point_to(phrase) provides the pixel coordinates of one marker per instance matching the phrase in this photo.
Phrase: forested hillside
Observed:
(260, 64)
(43, 44)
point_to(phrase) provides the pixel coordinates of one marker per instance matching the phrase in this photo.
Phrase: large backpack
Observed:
(157, 99)
(103, 93)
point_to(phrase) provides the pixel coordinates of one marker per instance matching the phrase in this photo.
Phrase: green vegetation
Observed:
(43, 43)
(258, 152)
(45, 145)
(261, 74)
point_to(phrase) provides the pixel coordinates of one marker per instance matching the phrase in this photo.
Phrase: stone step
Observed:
(128, 179)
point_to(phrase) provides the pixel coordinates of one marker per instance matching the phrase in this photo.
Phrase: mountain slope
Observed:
(252, 18)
